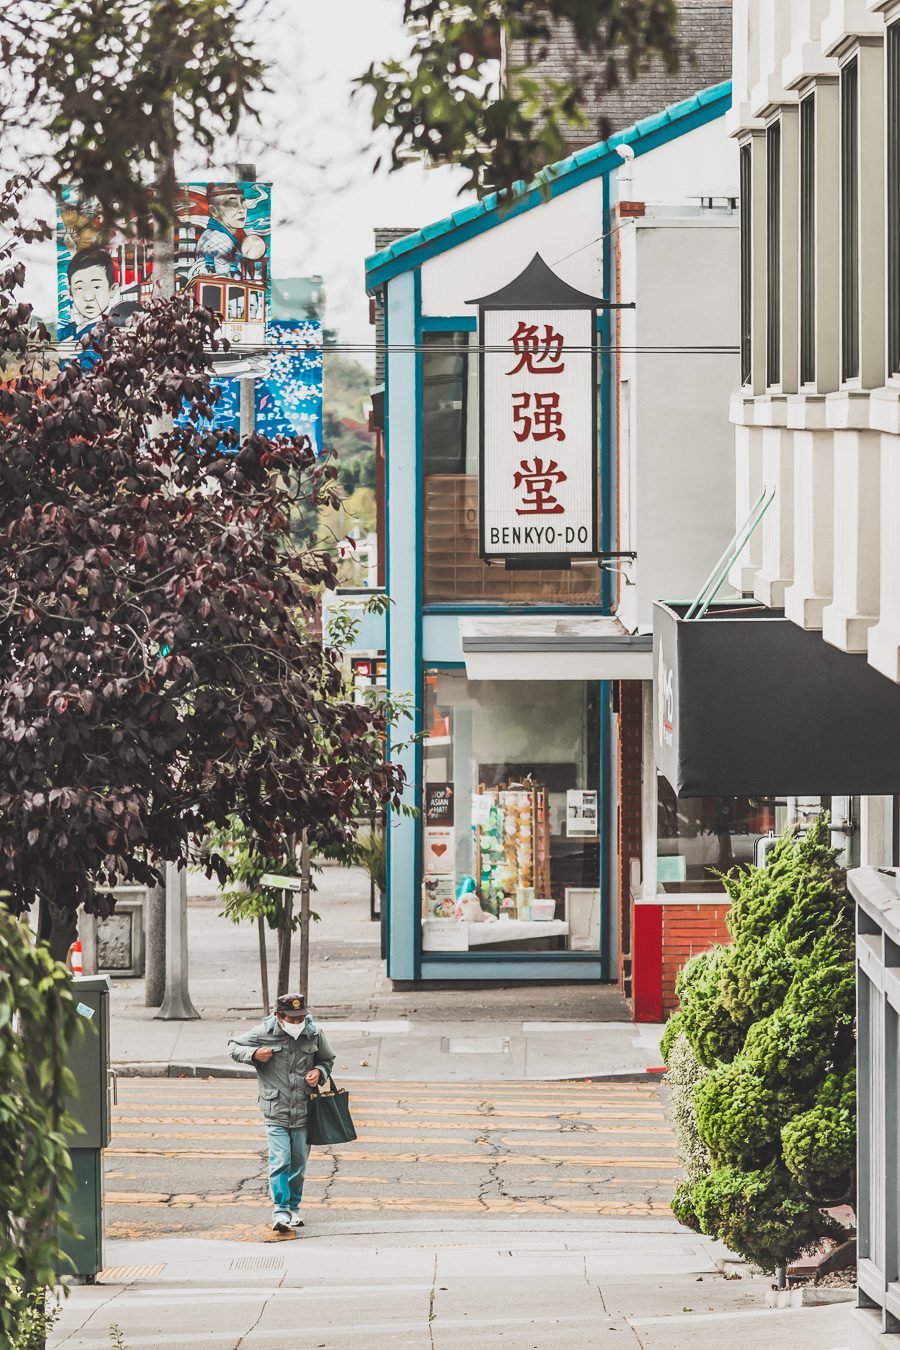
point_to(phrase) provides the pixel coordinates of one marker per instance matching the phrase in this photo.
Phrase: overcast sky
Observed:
(315, 144)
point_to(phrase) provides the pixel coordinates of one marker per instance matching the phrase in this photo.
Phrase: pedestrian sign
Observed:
(281, 883)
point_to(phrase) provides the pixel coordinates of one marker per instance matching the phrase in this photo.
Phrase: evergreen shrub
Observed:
(769, 1023)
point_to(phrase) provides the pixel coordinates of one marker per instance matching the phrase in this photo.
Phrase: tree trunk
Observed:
(57, 927)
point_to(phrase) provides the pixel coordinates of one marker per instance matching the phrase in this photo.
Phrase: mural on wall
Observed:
(100, 272)
(223, 239)
(223, 234)
(289, 396)
(288, 387)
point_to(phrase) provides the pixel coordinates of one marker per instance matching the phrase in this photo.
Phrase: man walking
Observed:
(291, 1057)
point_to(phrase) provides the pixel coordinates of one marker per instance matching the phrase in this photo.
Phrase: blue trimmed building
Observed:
(527, 683)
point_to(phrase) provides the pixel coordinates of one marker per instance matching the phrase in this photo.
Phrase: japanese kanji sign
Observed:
(538, 443)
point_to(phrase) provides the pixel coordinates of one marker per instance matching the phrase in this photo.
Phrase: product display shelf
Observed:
(512, 848)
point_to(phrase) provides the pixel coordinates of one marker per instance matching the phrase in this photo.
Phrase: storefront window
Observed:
(453, 569)
(511, 815)
(698, 837)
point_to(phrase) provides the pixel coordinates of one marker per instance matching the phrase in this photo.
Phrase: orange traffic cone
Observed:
(76, 958)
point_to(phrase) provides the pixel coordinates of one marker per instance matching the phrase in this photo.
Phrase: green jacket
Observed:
(283, 1090)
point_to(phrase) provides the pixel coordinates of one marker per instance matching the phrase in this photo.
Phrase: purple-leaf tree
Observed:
(159, 668)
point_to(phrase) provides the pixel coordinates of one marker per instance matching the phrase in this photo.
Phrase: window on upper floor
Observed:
(773, 253)
(448, 445)
(850, 220)
(453, 570)
(808, 239)
(746, 168)
(892, 109)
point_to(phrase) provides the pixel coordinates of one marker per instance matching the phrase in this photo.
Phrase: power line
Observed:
(475, 349)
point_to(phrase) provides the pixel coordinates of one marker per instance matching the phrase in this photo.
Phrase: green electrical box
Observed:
(90, 1109)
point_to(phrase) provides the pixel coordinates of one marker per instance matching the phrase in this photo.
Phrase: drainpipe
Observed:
(648, 796)
(842, 828)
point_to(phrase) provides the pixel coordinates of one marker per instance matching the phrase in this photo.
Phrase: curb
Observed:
(808, 1296)
(165, 1069)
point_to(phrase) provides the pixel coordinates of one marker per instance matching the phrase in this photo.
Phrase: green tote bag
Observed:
(329, 1117)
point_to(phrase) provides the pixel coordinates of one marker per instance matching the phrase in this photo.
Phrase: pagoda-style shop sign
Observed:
(538, 467)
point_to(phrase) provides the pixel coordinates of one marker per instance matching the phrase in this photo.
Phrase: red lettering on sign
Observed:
(540, 355)
(539, 480)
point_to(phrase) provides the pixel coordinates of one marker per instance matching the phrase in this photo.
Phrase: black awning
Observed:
(747, 703)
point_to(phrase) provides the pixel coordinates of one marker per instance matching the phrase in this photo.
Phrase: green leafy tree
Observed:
(451, 101)
(247, 899)
(119, 85)
(770, 1021)
(37, 1022)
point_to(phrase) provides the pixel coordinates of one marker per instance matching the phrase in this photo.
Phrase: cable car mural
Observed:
(222, 253)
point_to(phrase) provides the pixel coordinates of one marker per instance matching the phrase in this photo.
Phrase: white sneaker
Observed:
(296, 1221)
(281, 1221)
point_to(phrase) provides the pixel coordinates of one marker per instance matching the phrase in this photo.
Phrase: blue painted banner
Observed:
(288, 393)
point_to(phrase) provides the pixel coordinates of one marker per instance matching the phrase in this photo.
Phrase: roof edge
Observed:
(582, 166)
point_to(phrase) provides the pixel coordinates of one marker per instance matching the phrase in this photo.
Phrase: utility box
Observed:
(91, 1110)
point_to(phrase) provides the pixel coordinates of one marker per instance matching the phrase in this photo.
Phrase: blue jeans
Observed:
(288, 1151)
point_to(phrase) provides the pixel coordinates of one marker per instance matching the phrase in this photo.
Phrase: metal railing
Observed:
(877, 896)
(711, 586)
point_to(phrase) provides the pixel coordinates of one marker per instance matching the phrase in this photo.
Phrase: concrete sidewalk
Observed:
(625, 1284)
(460, 1034)
(405, 1050)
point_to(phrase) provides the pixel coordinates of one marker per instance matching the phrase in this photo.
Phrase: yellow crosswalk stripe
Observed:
(209, 1136)
(444, 1159)
(465, 1204)
(486, 1123)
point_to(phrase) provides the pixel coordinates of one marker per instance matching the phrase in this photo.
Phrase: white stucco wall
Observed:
(702, 164)
(566, 231)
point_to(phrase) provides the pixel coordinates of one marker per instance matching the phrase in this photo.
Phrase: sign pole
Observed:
(304, 914)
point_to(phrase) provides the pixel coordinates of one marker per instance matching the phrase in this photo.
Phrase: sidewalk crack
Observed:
(332, 1177)
(250, 1330)
(431, 1302)
(76, 1331)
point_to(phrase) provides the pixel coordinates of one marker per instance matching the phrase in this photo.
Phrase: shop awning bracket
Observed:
(713, 583)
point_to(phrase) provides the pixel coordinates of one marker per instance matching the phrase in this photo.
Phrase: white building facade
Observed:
(816, 112)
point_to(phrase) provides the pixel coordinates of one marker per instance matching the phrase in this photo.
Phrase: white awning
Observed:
(546, 647)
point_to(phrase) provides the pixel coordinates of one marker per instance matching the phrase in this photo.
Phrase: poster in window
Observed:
(581, 813)
(438, 849)
(438, 803)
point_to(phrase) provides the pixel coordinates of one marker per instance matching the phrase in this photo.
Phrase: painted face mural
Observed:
(92, 286)
(222, 257)
(223, 250)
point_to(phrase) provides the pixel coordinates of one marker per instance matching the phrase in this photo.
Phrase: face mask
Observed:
(293, 1029)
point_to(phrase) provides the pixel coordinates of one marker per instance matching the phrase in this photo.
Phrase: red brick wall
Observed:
(687, 930)
(629, 824)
